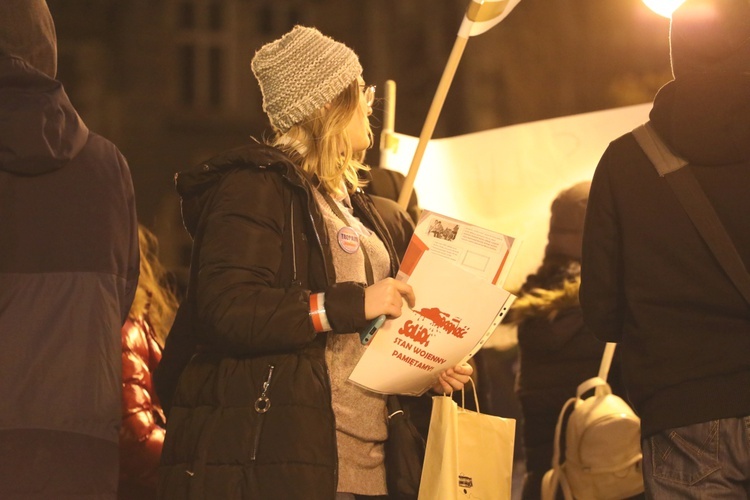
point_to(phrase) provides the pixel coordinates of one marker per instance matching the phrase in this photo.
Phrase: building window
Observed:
(203, 50)
(274, 17)
(186, 15)
(187, 74)
(265, 19)
(216, 16)
(214, 74)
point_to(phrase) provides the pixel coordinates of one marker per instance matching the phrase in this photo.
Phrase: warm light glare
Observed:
(663, 7)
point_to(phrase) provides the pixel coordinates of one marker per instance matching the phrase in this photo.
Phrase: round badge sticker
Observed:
(348, 239)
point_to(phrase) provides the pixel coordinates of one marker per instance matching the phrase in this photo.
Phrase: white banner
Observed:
(505, 179)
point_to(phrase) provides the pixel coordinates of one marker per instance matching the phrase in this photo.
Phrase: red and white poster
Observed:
(455, 269)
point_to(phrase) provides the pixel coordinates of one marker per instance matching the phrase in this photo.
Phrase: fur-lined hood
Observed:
(543, 303)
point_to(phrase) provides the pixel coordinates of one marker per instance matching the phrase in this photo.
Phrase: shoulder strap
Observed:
(696, 204)
(664, 160)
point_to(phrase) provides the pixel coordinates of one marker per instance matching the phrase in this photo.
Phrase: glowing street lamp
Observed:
(663, 7)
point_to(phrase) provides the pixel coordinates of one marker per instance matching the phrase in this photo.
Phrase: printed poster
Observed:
(456, 310)
(486, 253)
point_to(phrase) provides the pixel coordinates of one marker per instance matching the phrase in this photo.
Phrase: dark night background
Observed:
(169, 81)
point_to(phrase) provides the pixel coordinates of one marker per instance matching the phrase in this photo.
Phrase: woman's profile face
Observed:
(359, 124)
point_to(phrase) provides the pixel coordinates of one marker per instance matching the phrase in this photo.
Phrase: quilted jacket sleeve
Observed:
(141, 435)
(240, 257)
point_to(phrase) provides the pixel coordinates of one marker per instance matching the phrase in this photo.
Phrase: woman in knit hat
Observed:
(291, 259)
(557, 352)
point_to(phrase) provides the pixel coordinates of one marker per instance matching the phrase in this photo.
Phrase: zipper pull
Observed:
(263, 403)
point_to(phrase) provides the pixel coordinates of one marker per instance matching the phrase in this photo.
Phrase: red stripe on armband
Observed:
(318, 312)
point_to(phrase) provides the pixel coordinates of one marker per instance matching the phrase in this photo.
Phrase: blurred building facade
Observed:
(169, 81)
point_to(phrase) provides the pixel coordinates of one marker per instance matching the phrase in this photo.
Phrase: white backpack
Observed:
(602, 445)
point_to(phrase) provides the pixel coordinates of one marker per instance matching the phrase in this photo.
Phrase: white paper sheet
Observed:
(453, 311)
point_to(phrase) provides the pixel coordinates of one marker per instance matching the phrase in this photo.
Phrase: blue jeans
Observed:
(710, 460)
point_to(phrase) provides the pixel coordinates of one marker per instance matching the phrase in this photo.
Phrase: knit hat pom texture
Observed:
(301, 72)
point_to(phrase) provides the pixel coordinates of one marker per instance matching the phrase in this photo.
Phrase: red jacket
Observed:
(143, 422)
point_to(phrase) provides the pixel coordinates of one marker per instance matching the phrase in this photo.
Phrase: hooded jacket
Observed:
(649, 280)
(68, 273)
(252, 415)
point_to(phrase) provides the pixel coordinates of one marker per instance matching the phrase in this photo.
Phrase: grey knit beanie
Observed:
(300, 72)
(27, 31)
(566, 222)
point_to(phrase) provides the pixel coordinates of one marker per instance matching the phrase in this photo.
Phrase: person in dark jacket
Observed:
(651, 283)
(388, 184)
(68, 272)
(143, 335)
(556, 350)
(293, 259)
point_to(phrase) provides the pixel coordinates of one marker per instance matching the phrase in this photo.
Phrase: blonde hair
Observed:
(154, 300)
(326, 149)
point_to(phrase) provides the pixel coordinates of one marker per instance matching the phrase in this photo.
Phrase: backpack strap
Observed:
(607, 355)
(696, 204)
(600, 385)
(555, 478)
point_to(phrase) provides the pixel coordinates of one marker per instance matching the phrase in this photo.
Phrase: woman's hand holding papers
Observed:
(387, 297)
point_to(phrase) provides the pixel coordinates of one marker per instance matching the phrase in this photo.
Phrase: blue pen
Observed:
(369, 331)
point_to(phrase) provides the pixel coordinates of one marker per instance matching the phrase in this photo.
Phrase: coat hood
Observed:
(705, 117)
(28, 32)
(40, 131)
(545, 303)
(194, 185)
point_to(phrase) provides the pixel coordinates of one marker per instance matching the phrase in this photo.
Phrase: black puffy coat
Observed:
(263, 251)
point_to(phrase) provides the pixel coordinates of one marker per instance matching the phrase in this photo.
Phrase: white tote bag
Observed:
(469, 454)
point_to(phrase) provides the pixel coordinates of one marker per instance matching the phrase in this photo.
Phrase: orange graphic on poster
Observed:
(443, 322)
(440, 321)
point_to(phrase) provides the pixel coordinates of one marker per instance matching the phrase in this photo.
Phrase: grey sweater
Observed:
(360, 414)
